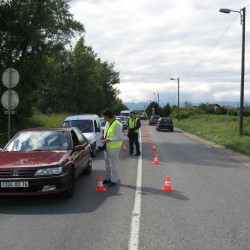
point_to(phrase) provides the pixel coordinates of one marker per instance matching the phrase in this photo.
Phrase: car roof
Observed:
(68, 129)
(82, 117)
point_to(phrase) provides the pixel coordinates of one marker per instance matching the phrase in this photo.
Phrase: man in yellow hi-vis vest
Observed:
(133, 133)
(113, 137)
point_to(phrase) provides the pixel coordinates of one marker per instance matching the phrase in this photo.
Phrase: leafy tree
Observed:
(187, 104)
(30, 31)
(221, 111)
(79, 82)
(33, 39)
(56, 93)
(153, 106)
(166, 110)
(109, 79)
(33, 28)
(119, 106)
(206, 108)
(95, 80)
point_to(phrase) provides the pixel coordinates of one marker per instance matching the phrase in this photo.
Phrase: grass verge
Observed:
(219, 129)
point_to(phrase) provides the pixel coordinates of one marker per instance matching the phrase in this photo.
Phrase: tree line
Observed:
(189, 110)
(55, 76)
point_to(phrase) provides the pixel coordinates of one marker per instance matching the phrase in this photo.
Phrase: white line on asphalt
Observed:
(133, 243)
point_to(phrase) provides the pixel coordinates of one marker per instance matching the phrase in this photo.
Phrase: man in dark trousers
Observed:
(133, 133)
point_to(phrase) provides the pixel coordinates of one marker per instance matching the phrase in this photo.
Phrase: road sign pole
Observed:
(10, 98)
(10, 81)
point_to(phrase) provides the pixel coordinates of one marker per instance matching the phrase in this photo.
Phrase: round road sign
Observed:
(14, 99)
(10, 78)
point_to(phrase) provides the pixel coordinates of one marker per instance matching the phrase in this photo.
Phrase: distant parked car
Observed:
(165, 123)
(153, 119)
(42, 161)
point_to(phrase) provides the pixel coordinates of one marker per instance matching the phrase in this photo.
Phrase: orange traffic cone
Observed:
(153, 147)
(156, 160)
(124, 148)
(167, 187)
(100, 187)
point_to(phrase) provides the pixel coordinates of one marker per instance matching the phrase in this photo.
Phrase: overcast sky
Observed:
(151, 41)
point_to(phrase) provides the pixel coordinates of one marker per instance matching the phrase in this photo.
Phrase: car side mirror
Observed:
(97, 130)
(79, 147)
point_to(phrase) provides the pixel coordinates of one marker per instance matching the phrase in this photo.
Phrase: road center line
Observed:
(133, 243)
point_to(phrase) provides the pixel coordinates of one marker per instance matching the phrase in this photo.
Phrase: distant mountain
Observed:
(143, 105)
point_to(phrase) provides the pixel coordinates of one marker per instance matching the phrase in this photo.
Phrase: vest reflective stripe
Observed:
(132, 123)
(111, 134)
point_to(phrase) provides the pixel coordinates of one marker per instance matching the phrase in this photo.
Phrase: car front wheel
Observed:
(88, 170)
(93, 151)
(71, 185)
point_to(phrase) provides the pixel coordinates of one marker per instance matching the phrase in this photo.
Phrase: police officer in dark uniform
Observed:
(133, 133)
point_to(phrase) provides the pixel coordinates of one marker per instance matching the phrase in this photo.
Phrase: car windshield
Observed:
(86, 126)
(39, 141)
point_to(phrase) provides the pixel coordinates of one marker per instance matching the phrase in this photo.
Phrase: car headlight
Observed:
(48, 171)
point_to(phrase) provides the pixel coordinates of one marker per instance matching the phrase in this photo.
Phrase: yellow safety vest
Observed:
(111, 134)
(132, 123)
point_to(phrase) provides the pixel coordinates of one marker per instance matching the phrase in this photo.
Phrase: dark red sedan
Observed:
(44, 161)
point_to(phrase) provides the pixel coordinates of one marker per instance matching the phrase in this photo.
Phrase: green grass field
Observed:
(219, 129)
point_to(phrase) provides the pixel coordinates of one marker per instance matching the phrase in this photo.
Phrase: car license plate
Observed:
(14, 184)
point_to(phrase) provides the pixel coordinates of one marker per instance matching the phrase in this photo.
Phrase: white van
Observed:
(125, 113)
(90, 126)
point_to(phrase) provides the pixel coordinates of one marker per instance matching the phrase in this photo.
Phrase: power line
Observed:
(202, 60)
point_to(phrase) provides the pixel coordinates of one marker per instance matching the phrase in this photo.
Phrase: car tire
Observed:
(71, 185)
(88, 170)
(93, 151)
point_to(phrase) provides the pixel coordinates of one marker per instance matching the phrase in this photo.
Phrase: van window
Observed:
(86, 126)
(125, 113)
(66, 124)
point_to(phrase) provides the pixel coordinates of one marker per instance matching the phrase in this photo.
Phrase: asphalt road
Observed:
(208, 209)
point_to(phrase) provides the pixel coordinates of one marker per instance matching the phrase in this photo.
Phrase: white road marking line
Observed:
(133, 243)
